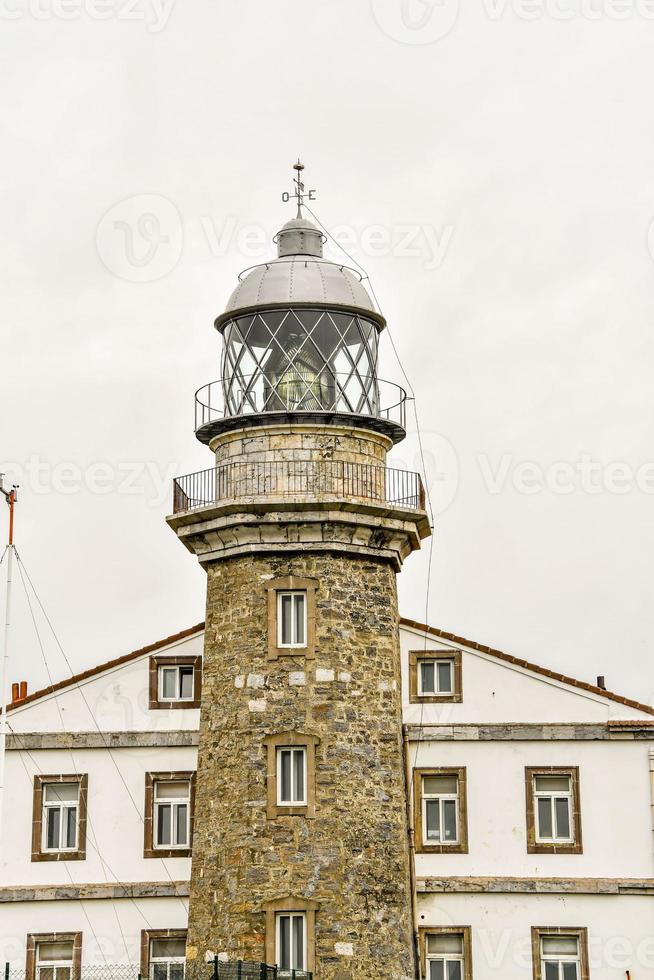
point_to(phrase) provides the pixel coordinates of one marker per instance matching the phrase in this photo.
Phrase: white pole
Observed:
(4, 687)
(10, 497)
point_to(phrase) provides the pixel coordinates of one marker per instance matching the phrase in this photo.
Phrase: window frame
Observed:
(290, 740)
(419, 810)
(536, 844)
(580, 933)
(34, 939)
(294, 750)
(39, 824)
(291, 904)
(416, 658)
(150, 848)
(147, 937)
(464, 931)
(157, 702)
(294, 595)
(63, 808)
(274, 589)
(292, 915)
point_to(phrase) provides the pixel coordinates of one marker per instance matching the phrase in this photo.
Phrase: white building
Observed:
(532, 816)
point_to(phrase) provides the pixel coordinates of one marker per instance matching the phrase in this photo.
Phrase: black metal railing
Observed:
(297, 391)
(292, 478)
(240, 970)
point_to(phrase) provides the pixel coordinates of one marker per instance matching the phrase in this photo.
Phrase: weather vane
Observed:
(299, 193)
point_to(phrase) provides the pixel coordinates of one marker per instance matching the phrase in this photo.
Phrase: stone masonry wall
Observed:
(352, 859)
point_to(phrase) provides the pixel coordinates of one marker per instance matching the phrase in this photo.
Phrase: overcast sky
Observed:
(492, 167)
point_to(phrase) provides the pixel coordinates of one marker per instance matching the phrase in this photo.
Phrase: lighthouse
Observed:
(301, 853)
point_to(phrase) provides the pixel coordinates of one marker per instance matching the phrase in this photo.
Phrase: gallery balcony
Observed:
(326, 397)
(291, 481)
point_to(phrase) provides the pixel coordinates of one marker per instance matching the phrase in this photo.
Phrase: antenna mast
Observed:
(11, 496)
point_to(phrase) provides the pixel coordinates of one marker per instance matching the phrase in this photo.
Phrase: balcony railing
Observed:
(240, 970)
(296, 391)
(292, 478)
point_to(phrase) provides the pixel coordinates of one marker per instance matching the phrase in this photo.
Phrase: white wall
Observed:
(498, 692)
(620, 930)
(105, 919)
(118, 700)
(615, 809)
(115, 821)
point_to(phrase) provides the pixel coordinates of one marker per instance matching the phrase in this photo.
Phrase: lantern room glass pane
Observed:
(300, 360)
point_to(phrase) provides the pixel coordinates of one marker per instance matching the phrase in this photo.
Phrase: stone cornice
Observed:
(527, 732)
(106, 890)
(536, 886)
(101, 740)
(265, 525)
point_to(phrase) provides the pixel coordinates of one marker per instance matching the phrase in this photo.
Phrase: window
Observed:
(172, 805)
(440, 803)
(560, 954)
(440, 810)
(59, 818)
(54, 956)
(54, 960)
(163, 954)
(553, 796)
(291, 776)
(175, 682)
(291, 941)
(291, 619)
(446, 953)
(435, 676)
(290, 934)
(445, 957)
(167, 959)
(169, 805)
(553, 817)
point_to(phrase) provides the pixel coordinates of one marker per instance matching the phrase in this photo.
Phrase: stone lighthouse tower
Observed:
(300, 848)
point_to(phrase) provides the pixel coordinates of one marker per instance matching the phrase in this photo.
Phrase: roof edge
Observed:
(75, 679)
(411, 623)
(527, 665)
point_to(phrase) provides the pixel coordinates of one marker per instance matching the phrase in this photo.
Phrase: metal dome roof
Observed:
(300, 276)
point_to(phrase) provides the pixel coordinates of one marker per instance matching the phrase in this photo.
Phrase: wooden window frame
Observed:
(556, 847)
(291, 583)
(415, 658)
(38, 853)
(147, 935)
(461, 847)
(33, 940)
(162, 661)
(465, 931)
(290, 740)
(149, 850)
(291, 904)
(580, 933)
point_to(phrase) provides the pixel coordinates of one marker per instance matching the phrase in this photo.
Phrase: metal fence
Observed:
(216, 970)
(114, 971)
(288, 478)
